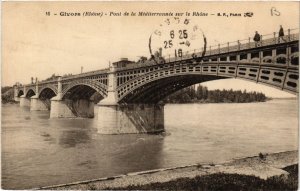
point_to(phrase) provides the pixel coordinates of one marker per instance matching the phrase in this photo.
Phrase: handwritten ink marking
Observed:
(275, 12)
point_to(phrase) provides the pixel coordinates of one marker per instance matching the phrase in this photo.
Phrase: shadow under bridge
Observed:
(155, 91)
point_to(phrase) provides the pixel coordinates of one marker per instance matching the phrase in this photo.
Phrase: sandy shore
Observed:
(263, 166)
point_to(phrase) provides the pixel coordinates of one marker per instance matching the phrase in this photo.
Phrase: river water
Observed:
(38, 151)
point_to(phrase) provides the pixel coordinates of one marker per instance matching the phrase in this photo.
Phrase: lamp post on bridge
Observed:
(249, 43)
(36, 87)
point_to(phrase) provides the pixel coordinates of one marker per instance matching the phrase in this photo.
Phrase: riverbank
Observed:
(276, 171)
(203, 95)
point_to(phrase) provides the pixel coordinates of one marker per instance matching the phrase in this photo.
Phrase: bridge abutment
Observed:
(130, 118)
(24, 101)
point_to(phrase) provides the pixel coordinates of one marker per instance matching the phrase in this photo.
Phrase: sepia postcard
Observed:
(149, 95)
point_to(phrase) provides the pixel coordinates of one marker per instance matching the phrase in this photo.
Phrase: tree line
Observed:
(7, 94)
(203, 95)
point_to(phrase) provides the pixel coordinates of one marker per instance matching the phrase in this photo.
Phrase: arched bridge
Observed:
(273, 64)
(270, 62)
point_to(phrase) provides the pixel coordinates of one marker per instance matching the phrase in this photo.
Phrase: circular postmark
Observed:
(177, 38)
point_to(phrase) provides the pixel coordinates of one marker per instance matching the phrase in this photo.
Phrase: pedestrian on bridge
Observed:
(281, 35)
(256, 39)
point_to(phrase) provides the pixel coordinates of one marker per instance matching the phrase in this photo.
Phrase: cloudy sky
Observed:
(37, 45)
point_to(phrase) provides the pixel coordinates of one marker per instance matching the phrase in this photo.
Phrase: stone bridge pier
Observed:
(17, 99)
(37, 104)
(24, 101)
(130, 118)
(64, 108)
(115, 118)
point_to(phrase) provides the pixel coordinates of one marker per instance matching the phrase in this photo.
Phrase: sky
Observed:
(37, 45)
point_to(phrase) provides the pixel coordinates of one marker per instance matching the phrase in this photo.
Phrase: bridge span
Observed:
(131, 91)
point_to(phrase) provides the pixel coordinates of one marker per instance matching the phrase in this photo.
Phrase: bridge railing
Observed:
(102, 71)
(265, 40)
(48, 81)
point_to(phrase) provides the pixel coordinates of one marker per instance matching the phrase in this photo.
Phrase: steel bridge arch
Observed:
(148, 93)
(19, 93)
(49, 86)
(295, 55)
(278, 75)
(30, 89)
(98, 87)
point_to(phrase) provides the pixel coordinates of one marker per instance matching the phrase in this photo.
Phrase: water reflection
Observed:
(135, 152)
(70, 138)
(48, 138)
